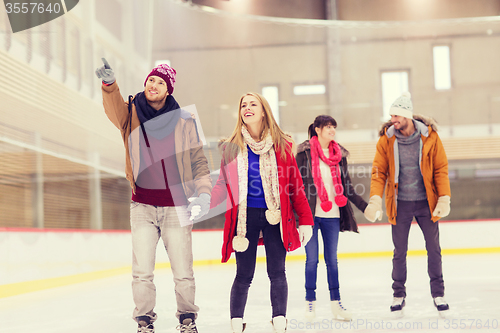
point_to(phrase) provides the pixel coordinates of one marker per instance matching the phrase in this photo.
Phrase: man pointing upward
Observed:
(165, 166)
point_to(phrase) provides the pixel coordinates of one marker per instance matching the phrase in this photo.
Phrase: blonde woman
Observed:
(261, 182)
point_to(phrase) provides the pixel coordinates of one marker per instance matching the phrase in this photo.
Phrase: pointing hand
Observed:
(105, 73)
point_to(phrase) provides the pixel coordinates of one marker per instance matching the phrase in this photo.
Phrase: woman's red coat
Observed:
(292, 197)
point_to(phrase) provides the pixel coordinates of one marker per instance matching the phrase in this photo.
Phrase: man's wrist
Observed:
(107, 83)
(205, 195)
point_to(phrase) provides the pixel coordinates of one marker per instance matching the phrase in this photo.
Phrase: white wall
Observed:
(34, 255)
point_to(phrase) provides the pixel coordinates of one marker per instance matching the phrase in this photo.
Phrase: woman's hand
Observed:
(305, 233)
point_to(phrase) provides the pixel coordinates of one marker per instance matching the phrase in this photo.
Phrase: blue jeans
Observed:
(245, 265)
(330, 228)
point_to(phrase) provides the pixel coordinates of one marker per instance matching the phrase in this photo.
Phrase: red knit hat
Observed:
(167, 73)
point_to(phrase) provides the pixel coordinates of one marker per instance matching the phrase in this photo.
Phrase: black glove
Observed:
(105, 73)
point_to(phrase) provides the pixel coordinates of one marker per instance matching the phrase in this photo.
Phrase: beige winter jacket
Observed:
(191, 161)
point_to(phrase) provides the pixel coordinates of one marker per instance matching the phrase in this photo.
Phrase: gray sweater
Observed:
(411, 184)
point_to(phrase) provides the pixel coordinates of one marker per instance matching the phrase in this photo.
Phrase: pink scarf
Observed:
(333, 162)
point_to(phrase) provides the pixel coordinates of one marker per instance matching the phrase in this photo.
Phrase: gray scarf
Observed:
(408, 140)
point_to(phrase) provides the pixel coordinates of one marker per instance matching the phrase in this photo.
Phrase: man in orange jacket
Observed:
(411, 160)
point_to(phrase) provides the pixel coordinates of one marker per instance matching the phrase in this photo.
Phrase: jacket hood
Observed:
(307, 146)
(420, 120)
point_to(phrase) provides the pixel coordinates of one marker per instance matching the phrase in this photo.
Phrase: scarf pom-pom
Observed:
(273, 216)
(326, 206)
(341, 200)
(240, 243)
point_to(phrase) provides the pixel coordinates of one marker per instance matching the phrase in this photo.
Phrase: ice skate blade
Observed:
(444, 314)
(310, 317)
(339, 318)
(397, 314)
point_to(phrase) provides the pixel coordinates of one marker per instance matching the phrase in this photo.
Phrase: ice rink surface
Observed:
(472, 284)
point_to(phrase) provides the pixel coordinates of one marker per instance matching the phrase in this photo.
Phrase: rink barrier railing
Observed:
(16, 229)
(17, 288)
(14, 289)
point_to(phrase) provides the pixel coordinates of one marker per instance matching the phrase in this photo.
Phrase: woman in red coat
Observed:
(261, 182)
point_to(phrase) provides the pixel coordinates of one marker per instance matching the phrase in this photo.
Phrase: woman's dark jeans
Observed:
(245, 265)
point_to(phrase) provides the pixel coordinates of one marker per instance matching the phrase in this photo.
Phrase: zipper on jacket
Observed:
(182, 158)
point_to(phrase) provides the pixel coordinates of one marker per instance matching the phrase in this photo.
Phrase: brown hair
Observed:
(321, 121)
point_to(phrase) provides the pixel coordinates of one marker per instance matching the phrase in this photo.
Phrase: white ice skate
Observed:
(310, 310)
(279, 324)
(442, 307)
(238, 325)
(339, 312)
(397, 306)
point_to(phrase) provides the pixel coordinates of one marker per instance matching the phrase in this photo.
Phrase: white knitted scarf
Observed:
(269, 174)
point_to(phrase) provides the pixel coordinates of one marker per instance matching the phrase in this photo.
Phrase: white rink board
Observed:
(33, 255)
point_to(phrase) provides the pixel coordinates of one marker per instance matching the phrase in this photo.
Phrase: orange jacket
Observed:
(433, 166)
